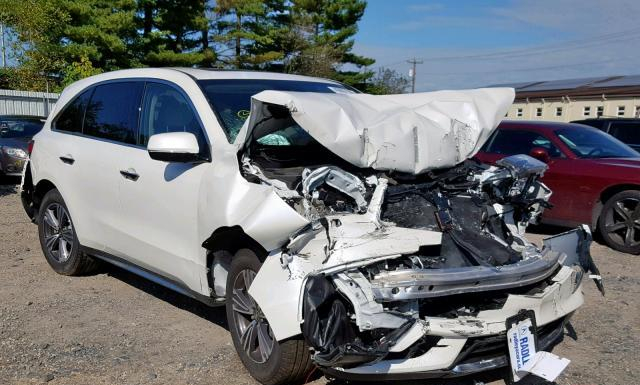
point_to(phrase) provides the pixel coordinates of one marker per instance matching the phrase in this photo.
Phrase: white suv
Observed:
(340, 229)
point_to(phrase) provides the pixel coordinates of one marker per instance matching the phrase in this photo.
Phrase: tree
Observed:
(249, 32)
(174, 33)
(387, 81)
(322, 40)
(69, 38)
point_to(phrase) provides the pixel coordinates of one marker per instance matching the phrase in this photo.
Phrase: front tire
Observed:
(58, 238)
(619, 223)
(267, 360)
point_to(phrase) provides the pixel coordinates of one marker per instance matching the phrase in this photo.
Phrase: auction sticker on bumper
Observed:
(522, 340)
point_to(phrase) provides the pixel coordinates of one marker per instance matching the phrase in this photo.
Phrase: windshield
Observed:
(231, 98)
(592, 143)
(19, 128)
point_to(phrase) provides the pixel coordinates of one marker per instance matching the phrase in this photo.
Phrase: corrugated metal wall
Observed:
(26, 102)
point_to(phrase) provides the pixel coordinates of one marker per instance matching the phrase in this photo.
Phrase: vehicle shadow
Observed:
(498, 376)
(214, 315)
(8, 185)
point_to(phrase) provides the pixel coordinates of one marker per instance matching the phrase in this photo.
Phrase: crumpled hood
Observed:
(409, 132)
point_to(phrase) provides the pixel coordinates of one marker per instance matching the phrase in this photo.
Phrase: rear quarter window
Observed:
(70, 120)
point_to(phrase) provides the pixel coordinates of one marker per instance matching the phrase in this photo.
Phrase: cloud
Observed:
(613, 59)
(426, 7)
(560, 39)
(454, 21)
(590, 17)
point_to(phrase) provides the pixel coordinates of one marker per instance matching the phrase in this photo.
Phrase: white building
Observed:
(576, 99)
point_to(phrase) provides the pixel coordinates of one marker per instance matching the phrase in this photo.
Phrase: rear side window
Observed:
(512, 142)
(70, 120)
(112, 112)
(626, 132)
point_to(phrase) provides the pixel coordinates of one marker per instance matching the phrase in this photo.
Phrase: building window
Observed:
(586, 111)
(620, 110)
(539, 111)
(600, 111)
(519, 112)
(637, 113)
(558, 111)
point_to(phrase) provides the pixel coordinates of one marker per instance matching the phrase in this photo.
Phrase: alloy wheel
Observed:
(256, 336)
(58, 232)
(622, 222)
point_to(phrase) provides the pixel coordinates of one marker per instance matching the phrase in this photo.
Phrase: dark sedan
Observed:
(594, 177)
(15, 134)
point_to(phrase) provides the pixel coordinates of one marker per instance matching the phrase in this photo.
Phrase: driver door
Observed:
(159, 200)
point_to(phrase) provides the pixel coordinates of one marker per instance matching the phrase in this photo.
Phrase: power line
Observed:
(414, 61)
(533, 51)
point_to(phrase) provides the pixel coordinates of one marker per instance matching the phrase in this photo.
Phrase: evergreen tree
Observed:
(248, 32)
(174, 33)
(322, 38)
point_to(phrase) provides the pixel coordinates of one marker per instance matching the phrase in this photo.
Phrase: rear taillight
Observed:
(30, 147)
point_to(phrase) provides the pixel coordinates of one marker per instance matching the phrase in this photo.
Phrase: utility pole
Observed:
(414, 61)
(4, 52)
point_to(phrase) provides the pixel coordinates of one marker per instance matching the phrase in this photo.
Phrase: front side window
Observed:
(231, 98)
(165, 109)
(513, 142)
(592, 143)
(112, 112)
(70, 120)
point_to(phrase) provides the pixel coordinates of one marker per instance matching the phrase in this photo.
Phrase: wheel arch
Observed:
(32, 195)
(223, 243)
(605, 195)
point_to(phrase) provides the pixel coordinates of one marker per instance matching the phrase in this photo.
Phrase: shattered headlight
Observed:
(15, 152)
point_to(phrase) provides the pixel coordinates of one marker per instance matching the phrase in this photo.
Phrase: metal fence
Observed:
(26, 102)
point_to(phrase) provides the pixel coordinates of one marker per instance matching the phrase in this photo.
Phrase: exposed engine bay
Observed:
(394, 266)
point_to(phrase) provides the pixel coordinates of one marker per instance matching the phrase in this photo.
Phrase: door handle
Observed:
(68, 159)
(130, 174)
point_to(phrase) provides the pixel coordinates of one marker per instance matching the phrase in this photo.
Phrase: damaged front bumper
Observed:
(418, 342)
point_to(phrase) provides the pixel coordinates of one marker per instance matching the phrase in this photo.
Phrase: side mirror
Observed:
(174, 147)
(540, 153)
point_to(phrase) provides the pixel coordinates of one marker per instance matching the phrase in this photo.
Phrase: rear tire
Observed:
(274, 362)
(619, 222)
(58, 238)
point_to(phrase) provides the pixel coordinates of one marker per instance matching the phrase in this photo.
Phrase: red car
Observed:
(594, 177)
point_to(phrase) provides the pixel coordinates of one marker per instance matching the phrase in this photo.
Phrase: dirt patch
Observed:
(116, 328)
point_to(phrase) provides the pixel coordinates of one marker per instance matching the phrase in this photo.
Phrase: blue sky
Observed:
(469, 43)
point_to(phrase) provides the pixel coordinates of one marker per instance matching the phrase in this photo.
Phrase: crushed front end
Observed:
(406, 270)
(416, 277)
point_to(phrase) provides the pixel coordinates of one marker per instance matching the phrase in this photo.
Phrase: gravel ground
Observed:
(115, 328)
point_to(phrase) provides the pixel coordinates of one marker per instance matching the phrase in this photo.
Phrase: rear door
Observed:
(109, 128)
(159, 200)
